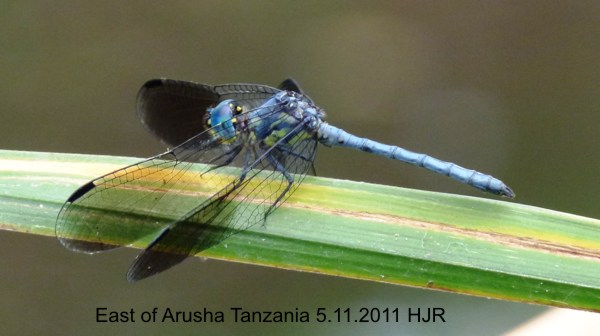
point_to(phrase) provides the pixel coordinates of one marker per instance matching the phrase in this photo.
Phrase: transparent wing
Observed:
(268, 179)
(123, 206)
(195, 206)
(130, 203)
(175, 111)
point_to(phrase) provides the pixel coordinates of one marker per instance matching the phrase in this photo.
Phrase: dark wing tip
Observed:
(151, 262)
(154, 259)
(289, 84)
(153, 83)
(81, 191)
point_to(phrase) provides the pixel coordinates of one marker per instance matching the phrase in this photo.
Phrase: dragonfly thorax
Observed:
(301, 108)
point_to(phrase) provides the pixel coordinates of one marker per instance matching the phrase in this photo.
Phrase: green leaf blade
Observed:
(454, 243)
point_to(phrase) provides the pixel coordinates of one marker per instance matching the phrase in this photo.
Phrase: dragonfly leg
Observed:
(279, 167)
(286, 149)
(246, 169)
(231, 155)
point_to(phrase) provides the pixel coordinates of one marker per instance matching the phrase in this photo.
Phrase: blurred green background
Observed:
(508, 88)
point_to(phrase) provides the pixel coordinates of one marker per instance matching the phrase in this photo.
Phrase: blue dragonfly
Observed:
(238, 152)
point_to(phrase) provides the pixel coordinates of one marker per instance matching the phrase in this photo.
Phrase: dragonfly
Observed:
(238, 151)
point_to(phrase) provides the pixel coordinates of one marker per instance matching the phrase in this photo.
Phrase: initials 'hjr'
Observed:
(428, 315)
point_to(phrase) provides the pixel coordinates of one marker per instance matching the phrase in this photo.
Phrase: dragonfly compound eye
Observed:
(222, 118)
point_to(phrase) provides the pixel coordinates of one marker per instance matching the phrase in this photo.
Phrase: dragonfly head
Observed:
(222, 118)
